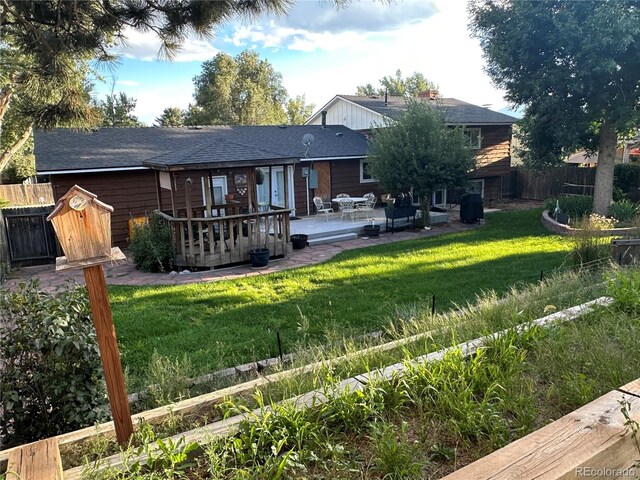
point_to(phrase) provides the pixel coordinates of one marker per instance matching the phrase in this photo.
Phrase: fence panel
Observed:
(567, 179)
(5, 259)
(27, 194)
(30, 237)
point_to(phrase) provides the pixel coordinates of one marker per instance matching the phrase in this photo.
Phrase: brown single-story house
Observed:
(139, 170)
(489, 132)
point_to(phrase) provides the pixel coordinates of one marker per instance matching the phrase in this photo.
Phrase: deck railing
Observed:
(226, 240)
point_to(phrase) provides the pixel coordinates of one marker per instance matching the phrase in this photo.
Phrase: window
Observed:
(475, 139)
(365, 176)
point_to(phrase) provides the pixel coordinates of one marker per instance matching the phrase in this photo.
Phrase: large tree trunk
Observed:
(425, 206)
(603, 191)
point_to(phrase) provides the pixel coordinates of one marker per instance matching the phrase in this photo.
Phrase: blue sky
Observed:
(321, 51)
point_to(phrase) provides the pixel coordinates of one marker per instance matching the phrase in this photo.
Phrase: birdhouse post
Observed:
(83, 226)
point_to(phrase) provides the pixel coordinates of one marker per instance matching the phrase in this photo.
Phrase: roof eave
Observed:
(227, 164)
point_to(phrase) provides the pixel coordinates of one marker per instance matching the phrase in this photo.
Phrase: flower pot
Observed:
(259, 176)
(228, 197)
(372, 230)
(259, 257)
(299, 241)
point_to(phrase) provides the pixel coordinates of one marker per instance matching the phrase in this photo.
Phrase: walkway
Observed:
(126, 274)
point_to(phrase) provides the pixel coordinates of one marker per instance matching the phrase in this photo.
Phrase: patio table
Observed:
(355, 199)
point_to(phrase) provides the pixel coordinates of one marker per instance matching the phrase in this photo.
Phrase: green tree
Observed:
(117, 111)
(397, 86)
(45, 44)
(419, 151)
(241, 90)
(31, 98)
(171, 117)
(298, 111)
(574, 67)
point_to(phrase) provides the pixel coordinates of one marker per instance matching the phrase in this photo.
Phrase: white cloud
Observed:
(147, 46)
(439, 46)
(149, 106)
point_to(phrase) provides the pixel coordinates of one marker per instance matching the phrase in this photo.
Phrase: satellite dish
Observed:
(307, 138)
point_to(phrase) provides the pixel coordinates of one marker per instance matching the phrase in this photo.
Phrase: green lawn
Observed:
(225, 323)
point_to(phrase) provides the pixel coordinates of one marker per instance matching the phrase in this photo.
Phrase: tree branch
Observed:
(5, 98)
(6, 156)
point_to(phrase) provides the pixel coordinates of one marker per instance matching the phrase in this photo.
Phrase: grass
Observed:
(437, 417)
(225, 323)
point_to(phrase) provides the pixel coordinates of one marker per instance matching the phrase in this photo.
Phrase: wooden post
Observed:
(83, 226)
(108, 344)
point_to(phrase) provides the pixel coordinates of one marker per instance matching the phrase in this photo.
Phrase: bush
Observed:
(626, 177)
(576, 206)
(623, 286)
(4, 202)
(623, 211)
(51, 374)
(151, 246)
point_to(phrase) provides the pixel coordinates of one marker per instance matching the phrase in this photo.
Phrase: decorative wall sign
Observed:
(240, 181)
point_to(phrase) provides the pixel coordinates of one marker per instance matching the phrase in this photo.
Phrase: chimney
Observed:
(431, 94)
(386, 103)
(324, 118)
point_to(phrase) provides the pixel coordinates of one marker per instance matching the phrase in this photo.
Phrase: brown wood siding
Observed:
(300, 190)
(127, 192)
(345, 178)
(494, 158)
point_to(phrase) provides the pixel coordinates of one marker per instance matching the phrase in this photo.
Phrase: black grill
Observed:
(471, 208)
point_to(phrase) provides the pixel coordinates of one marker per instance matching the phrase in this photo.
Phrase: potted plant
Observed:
(372, 230)
(299, 241)
(259, 176)
(259, 254)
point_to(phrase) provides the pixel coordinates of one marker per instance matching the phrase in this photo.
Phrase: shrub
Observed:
(51, 374)
(151, 246)
(623, 211)
(626, 177)
(576, 206)
(4, 202)
(589, 244)
(623, 286)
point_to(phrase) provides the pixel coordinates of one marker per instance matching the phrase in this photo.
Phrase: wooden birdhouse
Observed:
(83, 226)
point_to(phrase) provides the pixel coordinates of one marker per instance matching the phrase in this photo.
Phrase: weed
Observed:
(394, 456)
(590, 245)
(169, 379)
(623, 285)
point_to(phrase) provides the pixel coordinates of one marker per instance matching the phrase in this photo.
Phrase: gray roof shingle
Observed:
(113, 148)
(455, 111)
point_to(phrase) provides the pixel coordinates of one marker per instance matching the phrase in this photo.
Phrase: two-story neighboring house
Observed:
(489, 134)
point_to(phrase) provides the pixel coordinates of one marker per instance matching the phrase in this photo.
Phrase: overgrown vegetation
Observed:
(576, 206)
(51, 372)
(434, 418)
(623, 211)
(590, 245)
(151, 246)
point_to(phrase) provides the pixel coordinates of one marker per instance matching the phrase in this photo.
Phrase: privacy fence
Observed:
(19, 195)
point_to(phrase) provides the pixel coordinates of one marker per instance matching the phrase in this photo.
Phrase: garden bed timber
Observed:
(229, 426)
(595, 436)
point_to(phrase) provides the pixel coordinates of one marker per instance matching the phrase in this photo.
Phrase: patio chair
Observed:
(368, 205)
(342, 195)
(348, 208)
(322, 207)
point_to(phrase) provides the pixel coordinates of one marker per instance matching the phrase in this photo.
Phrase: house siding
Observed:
(345, 178)
(350, 115)
(129, 193)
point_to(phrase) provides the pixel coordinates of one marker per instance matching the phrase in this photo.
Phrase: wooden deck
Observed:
(198, 241)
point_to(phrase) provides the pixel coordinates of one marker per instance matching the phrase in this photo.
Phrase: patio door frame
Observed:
(212, 183)
(273, 186)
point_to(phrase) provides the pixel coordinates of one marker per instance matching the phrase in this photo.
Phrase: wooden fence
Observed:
(540, 186)
(20, 195)
(5, 259)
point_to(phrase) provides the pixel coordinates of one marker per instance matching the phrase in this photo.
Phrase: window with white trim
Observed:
(365, 176)
(474, 136)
